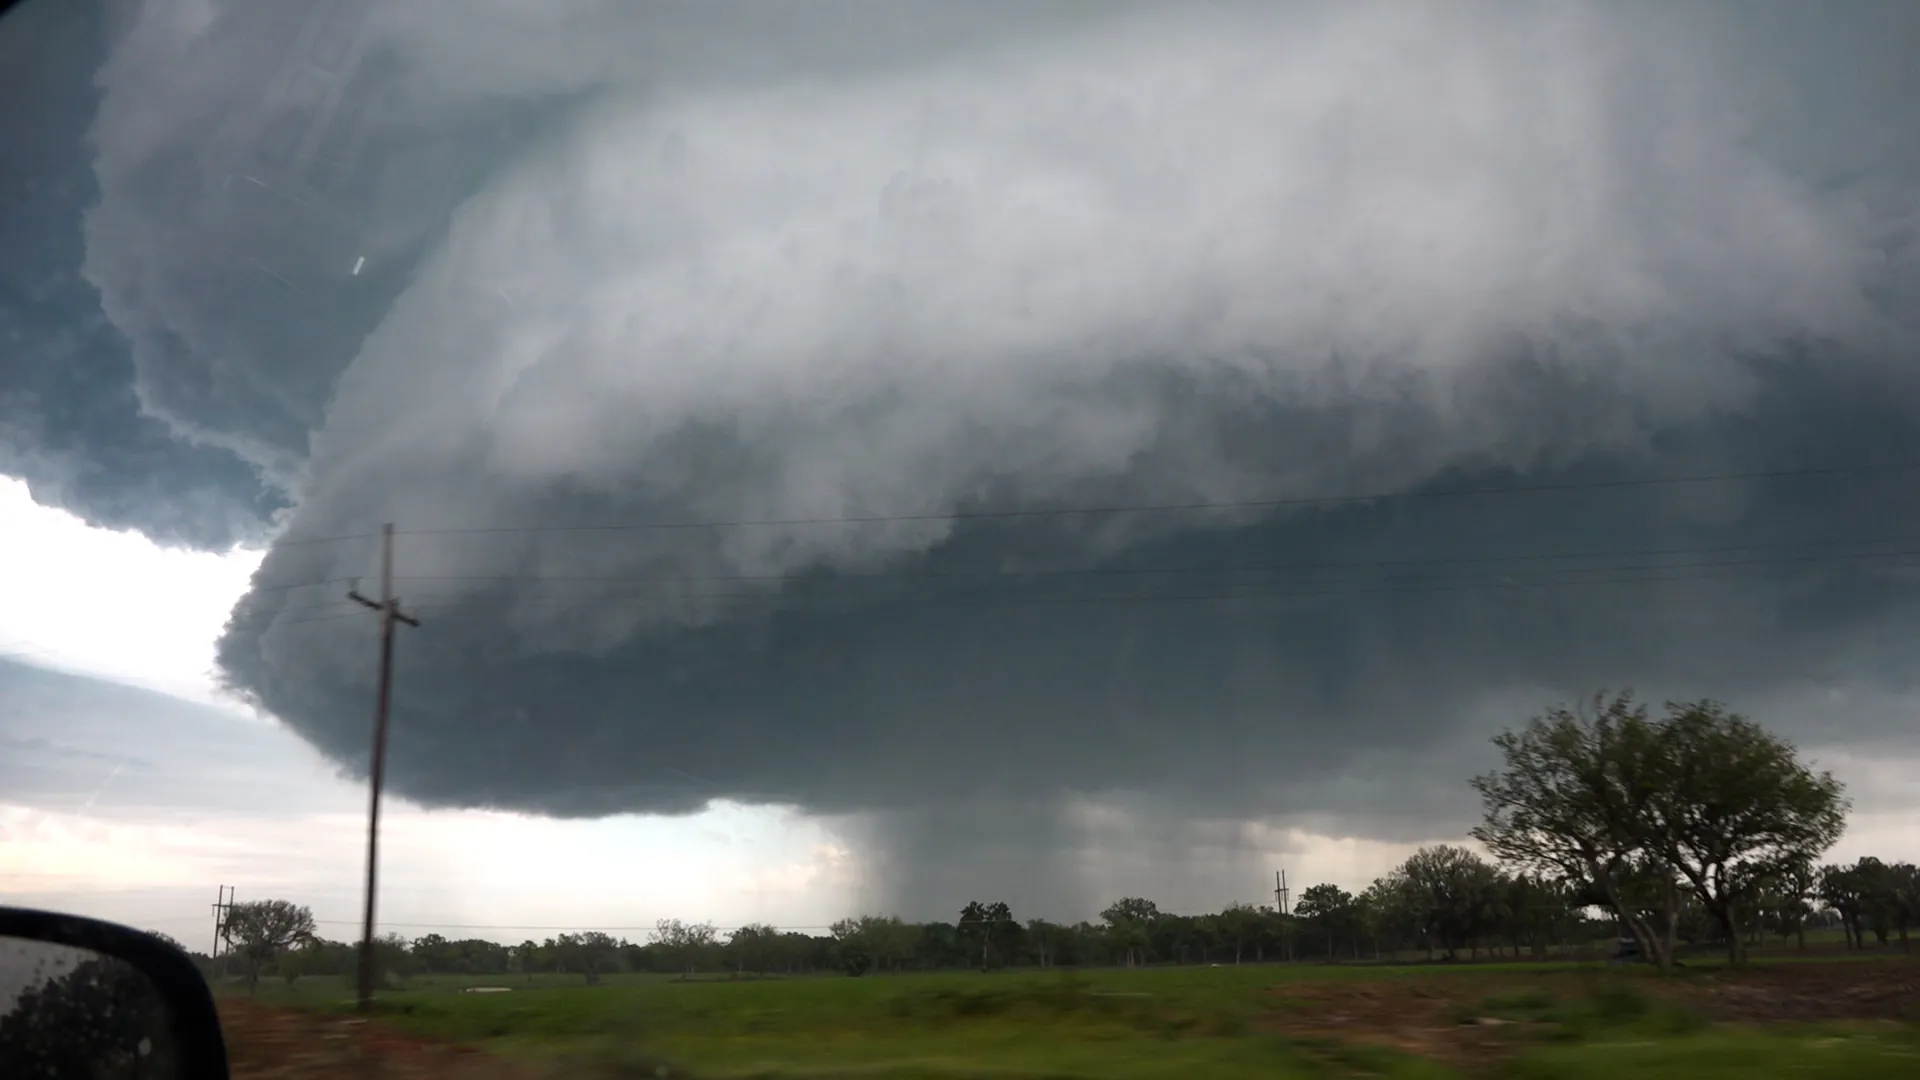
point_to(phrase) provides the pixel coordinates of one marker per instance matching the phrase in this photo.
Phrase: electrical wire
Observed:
(1147, 508)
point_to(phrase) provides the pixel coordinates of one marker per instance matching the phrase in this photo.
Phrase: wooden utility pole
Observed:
(221, 905)
(388, 607)
(1280, 894)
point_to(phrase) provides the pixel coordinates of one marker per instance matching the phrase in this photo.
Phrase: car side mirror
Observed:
(87, 999)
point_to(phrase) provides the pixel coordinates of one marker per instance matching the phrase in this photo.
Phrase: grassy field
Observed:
(1515, 1020)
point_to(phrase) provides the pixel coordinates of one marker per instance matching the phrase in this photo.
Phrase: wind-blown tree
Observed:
(259, 930)
(1732, 807)
(1568, 804)
(1615, 800)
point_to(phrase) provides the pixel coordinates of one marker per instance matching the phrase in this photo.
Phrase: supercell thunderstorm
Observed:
(728, 369)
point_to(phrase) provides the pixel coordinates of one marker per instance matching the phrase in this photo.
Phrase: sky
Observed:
(1045, 450)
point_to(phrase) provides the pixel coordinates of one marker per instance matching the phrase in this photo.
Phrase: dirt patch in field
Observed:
(1807, 993)
(1470, 1020)
(1415, 1015)
(266, 1043)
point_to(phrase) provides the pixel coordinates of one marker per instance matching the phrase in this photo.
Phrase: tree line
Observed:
(1692, 828)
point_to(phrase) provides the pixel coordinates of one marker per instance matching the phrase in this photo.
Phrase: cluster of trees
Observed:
(1695, 827)
(1868, 897)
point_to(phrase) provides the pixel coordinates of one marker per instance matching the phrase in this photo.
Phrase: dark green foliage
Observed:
(89, 1022)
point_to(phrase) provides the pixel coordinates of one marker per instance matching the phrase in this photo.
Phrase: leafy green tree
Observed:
(1539, 913)
(393, 961)
(259, 930)
(1614, 799)
(586, 954)
(310, 957)
(1128, 922)
(1239, 926)
(684, 945)
(874, 942)
(1731, 807)
(1786, 900)
(1391, 912)
(1570, 803)
(1845, 890)
(1331, 911)
(987, 927)
(1872, 895)
(853, 945)
(528, 958)
(752, 947)
(1049, 942)
(1455, 893)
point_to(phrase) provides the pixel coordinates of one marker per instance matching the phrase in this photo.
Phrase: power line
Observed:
(1638, 575)
(1147, 508)
(584, 927)
(1117, 571)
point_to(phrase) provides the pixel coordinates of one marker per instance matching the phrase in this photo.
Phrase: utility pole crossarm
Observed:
(399, 616)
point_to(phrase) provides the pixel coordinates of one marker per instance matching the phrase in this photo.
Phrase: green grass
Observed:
(1562, 1020)
(1731, 1055)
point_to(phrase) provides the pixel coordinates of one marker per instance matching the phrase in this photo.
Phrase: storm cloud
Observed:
(730, 372)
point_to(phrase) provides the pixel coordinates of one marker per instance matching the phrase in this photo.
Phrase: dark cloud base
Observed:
(1367, 628)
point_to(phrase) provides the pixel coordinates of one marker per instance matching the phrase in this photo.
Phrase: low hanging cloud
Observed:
(728, 398)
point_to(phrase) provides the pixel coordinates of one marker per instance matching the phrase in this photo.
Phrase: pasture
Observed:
(1842, 1018)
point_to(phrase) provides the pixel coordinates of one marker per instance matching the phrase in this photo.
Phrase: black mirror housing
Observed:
(173, 997)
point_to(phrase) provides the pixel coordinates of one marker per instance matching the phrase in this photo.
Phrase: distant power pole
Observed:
(1280, 894)
(388, 608)
(222, 904)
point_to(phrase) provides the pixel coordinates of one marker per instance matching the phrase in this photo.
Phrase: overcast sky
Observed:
(874, 455)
